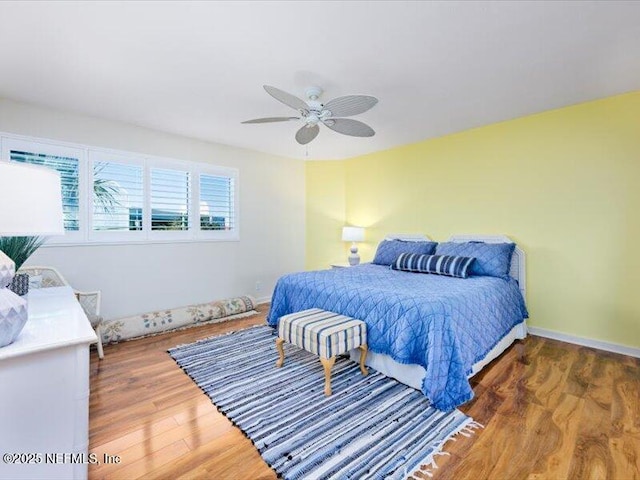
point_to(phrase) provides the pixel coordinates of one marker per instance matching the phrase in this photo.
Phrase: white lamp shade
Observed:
(30, 201)
(353, 234)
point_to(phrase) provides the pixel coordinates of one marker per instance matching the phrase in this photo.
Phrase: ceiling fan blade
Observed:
(347, 126)
(350, 105)
(307, 133)
(271, 119)
(287, 98)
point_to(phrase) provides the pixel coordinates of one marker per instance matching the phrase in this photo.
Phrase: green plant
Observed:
(19, 249)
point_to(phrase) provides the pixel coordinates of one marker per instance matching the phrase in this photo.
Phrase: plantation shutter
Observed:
(118, 197)
(68, 167)
(170, 199)
(217, 209)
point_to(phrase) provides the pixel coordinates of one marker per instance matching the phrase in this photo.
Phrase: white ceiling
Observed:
(197, 69)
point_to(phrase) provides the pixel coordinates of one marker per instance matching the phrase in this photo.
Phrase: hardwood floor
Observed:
(551, 410)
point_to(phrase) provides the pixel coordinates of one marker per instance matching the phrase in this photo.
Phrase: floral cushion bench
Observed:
(325, 334)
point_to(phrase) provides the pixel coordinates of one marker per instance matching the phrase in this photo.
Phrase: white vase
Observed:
(13, 316)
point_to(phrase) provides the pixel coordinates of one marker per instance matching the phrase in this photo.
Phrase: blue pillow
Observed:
(438, 264)
(389, 250)
(492, 259)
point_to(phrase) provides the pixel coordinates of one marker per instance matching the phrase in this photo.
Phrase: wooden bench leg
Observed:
(363, 356)
(327, 363)
(280, 361)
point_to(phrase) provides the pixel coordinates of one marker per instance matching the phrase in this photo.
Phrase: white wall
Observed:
(140, 278)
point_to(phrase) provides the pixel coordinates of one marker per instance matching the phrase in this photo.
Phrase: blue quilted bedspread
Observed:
(444, 324)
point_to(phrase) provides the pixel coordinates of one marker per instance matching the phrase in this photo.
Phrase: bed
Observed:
(428, 331)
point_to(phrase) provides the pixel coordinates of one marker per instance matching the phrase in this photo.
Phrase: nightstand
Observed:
(340, 265)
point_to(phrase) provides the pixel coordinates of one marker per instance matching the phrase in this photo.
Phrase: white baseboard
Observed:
(260, 300)
(586, 342)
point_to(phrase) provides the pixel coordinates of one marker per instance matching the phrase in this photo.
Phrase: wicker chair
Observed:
(44, 277)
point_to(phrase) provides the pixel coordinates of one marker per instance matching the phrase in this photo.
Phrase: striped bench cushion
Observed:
(323, 333)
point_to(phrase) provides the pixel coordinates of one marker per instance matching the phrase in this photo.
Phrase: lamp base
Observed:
(13, 316)
(354, 258)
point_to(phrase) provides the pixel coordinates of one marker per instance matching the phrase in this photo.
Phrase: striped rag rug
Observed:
(371, 427)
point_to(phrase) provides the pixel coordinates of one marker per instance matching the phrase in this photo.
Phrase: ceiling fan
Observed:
(331, 114)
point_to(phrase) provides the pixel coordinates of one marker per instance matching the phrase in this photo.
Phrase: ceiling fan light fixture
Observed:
(312, 118)
(313, 93)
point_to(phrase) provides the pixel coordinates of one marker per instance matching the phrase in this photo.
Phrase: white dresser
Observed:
(44, 391)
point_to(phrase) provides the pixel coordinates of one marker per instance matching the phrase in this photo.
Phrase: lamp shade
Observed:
(352, 234)
(30, 201)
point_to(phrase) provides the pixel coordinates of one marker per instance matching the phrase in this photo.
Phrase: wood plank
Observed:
(150, 462)
(201, 406)
(474, 457)
(625, 407)
(550, 391)
(625, 453)
(525, 442)
(192, 433)
(592, 457)
(227, 456)
(566, 418)
(134, 437)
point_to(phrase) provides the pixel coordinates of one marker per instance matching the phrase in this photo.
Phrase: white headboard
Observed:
(517, 269)
(408, 237)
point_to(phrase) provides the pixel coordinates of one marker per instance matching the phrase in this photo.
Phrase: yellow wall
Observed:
(564, 184)
(325, 213)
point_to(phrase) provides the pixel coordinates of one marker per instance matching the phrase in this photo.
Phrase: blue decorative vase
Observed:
(20, 284)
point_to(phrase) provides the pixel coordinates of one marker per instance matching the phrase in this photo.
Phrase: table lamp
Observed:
(30, 204)
(353, 235)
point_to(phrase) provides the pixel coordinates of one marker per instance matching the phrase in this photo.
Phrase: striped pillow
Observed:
(439, 264)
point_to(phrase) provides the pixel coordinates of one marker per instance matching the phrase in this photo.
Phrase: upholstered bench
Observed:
(325, 334)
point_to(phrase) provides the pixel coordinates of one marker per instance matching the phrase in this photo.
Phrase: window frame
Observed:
(213, 170)
(116, 236)
(87, 157)
(39, 146)
(164, 164)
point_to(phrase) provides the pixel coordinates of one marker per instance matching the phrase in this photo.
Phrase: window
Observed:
(67, 161)
(118, 197)
(69, 177)
(170, 205)
(113, 196)
(217, 208)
